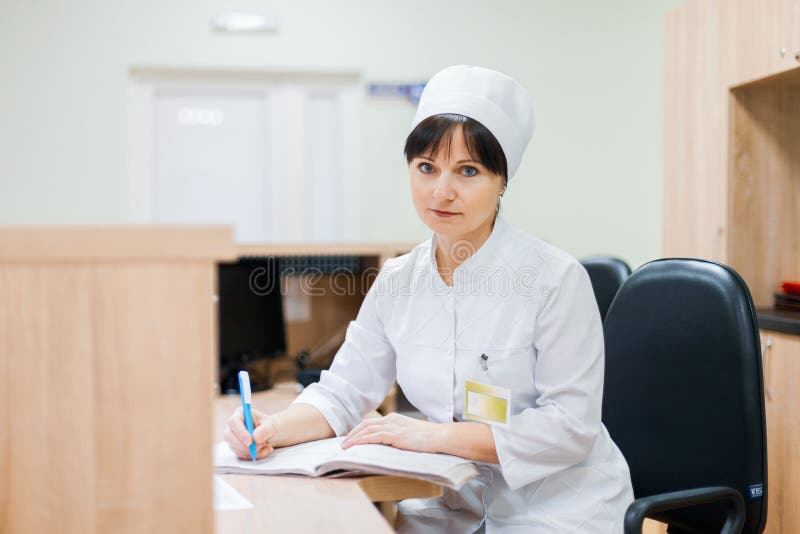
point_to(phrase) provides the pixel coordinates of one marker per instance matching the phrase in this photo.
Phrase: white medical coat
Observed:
(529, 307)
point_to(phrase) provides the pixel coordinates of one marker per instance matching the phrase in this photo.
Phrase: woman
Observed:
(481, 314)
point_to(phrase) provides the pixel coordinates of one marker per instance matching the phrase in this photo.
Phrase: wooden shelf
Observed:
(764, 184)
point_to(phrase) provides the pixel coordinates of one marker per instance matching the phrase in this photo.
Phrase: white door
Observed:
(273, 156)
(210, 159)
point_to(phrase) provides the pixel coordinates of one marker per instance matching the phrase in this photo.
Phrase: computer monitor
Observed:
(251, 326)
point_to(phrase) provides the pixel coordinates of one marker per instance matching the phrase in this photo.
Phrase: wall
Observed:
(590, 181)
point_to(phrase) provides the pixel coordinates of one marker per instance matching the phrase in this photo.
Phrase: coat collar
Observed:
(484, 257)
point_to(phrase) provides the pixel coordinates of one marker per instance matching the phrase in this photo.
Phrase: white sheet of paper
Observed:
(227, 498)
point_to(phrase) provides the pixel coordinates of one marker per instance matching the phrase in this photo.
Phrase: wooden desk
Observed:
(300, 504)
(304, 504)
(92, 320)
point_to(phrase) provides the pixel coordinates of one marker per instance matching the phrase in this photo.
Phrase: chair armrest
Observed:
(647, 506)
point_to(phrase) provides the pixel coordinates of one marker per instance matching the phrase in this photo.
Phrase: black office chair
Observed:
(606, 274)
(684, 398)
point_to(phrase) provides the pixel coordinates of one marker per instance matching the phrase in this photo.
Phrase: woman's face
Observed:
(454, 195)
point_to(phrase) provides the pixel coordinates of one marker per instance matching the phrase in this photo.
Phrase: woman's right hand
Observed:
(238, 438)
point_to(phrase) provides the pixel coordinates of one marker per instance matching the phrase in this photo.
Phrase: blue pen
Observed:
(244, 391)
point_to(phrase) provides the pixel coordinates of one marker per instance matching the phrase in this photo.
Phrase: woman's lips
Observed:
(443, 214)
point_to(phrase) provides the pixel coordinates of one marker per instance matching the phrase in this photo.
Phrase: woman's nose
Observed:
(444, 188)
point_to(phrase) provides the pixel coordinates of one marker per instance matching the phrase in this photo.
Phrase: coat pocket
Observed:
(509, 368)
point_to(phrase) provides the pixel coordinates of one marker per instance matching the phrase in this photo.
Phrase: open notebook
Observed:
(327, 458)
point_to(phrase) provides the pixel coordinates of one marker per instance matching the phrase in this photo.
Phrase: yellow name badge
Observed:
(487, 404)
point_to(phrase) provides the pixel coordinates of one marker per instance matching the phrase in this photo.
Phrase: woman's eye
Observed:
(470, 171)
(426, 167)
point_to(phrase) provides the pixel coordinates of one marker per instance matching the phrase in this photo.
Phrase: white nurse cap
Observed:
(495, 100)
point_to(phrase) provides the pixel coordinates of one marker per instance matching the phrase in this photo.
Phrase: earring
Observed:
(499, 196)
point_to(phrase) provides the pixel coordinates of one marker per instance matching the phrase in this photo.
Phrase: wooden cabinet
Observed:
(732, 182)
(731, 121)
(794, 32)
(695, 112)
(766, 38)
(781, 360)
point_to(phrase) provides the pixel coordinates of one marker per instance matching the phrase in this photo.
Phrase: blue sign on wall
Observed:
(410, 92)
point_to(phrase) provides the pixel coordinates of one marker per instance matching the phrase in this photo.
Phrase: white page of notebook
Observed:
(308, 457)
(391, 457)
(302, 458)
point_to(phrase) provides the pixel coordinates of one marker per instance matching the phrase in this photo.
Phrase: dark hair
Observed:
(431, 133)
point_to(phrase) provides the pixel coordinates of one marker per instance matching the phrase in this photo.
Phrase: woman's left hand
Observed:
(398, 431)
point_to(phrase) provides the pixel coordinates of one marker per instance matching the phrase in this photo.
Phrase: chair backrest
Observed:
(606, 274)
(683, 395)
